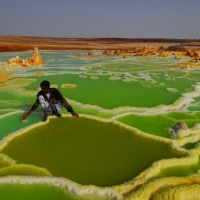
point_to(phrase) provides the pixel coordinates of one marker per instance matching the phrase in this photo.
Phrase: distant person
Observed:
(50, 99)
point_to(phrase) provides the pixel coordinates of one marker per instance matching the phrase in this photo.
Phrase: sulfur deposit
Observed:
(34, 60)
(4, 77)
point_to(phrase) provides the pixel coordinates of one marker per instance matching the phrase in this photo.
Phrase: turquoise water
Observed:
(146, 93)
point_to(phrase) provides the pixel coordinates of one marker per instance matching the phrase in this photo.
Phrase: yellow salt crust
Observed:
(9, 166)
(6, 161)
(2, 84)
(20, 82)
(180, 192)
(4, 78)
(24, 169)
(65, 184)
(39, 73)
(193, 137)
(94, 77)
(113, 78)
(68, 85)
(82, 76)
(53, 86)
(164, 187)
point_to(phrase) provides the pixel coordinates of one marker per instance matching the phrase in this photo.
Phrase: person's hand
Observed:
(25, 116)
(75, 115)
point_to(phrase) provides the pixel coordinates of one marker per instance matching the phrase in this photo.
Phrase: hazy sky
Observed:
(101, 18)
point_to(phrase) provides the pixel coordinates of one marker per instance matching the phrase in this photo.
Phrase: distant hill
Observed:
(24, 43)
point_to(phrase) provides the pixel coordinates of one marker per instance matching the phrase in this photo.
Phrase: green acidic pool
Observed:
(13, 122)
(180, 170)
(88, 151)
(159, 124)
(140, 93)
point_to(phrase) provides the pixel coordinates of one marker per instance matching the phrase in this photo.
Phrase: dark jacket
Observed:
(55, 97)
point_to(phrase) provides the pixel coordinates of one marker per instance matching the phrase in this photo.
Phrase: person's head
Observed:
(45, 86)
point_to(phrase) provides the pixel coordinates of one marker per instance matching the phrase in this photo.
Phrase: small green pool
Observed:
(39, 192)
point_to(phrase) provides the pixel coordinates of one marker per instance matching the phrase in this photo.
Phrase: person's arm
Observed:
(34, 107)
(69, 108)
(65, 103)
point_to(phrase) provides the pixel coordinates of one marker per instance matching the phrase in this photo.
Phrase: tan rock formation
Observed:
(35, 50)
(189, 52)
(180, 130)
(196, 55)
(112, 52)
(34, 60)
(90, 53)
(180, 126)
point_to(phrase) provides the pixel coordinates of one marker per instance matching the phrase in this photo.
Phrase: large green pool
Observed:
(74, 149)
